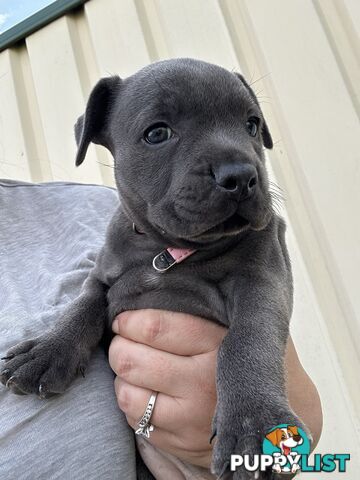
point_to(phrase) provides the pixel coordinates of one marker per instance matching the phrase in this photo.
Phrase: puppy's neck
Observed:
(173, 251)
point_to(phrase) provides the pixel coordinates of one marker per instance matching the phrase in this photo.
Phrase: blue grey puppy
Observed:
(187, 139)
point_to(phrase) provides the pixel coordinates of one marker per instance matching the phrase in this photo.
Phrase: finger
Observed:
(173, 332)
(190, 448)
(175, 442)
(194, 449)
(149, 368)
(133, 401)
(169, 413)
(172, 431)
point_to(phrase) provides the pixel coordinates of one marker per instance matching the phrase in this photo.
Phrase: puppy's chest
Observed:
(181, 289)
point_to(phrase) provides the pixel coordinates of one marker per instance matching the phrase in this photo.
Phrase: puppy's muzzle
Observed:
(237, 180)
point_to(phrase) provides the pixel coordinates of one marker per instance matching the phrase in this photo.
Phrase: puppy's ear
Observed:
(265, 133)
(92, 126)
(293, 429)
(274, 436)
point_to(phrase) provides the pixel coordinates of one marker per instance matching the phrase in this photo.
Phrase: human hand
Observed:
(173, 354)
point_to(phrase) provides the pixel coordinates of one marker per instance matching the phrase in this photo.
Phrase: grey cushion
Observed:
(49, 237)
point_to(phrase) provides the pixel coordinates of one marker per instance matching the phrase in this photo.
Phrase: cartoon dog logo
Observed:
(286, 439)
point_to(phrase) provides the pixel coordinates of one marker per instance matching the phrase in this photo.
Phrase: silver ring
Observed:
(144, 427)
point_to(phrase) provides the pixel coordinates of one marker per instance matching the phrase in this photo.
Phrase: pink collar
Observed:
(169, 257)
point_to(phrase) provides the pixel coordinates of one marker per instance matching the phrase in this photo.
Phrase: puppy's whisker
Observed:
(278, 205)
(277, 210)
(274, 209)
(106, 165)
(251, 79)
(276, 192)
(275, 189)
(276, 195)
(280, 197)
(258, 93)
(277, 200)
(260, 78)
(275, 186)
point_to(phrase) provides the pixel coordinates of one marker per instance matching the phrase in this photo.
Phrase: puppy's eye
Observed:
(252, 126)
(158, 133)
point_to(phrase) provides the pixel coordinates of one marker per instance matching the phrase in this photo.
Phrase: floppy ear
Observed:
(274, 436)
(92, 126)
(293, 429)
(265, 133)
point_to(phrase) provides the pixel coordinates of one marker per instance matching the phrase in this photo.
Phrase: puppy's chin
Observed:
(230, 227)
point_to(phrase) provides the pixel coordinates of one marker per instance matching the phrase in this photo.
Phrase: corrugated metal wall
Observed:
(305, 59)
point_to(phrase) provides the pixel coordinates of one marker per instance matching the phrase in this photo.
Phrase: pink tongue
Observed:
(286, 450)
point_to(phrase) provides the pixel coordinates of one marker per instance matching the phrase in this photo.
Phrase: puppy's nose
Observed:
(240, 179)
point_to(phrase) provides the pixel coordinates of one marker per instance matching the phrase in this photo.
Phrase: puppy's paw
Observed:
(45, 366)
(242, 433)
(229, 443)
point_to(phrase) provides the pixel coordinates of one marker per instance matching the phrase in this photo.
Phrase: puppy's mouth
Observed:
(231, 226)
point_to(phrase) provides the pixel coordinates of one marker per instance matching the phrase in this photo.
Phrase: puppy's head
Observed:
(285, 438)
(187, 139)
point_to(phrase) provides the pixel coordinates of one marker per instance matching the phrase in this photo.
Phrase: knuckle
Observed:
(123, 365)
(120, 362)
(123, 321)
(113, 350)
(123, 397)
(153, 328)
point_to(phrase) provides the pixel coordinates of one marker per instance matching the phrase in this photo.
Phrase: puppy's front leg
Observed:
(47, 364)
(250, 377)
